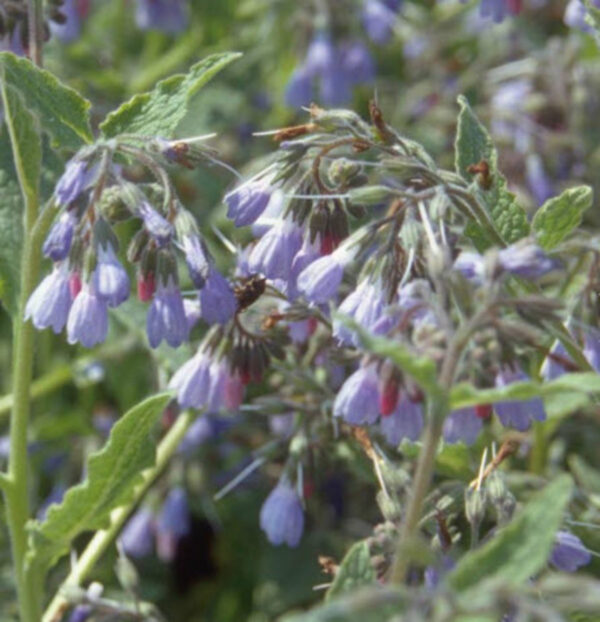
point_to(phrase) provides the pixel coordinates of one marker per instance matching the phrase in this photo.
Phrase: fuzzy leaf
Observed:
(521, 549)
(464, 394)
(370, 604)
(474, 145)
(11, 227)
(112, 474)
(61, 111)
(158, 112)
(355, 570)
(560, 215)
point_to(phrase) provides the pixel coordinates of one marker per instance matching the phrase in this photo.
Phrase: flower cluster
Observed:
(88, 277)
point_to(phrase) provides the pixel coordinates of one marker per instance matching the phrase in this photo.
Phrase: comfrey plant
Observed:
(387, 312)
(427, 298)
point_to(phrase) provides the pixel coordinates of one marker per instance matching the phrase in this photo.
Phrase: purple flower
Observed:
(405, 422)
(320, 280)
(137, 536)
(49, 304)
(73, 10)
(299, 90)
(551, 368)
(539, 182)
(517, 414)
(192, 381)
(166, 316)
(282, 517)
(569, 552)
(357, 401)
(58, 241)
(575, 16)
(247, 202)
(591, 348)
(111, 280)
(196, 258)
(462, 425)
(88, 318)
(282, 425)
(13, 42)
(169, 16)
(72, 182)
(173, 522)
(378, 21)
(498, 9)
(156, 225)
(217, 300)
(275, 251)
(81, 613)
(357, 62)
(320, 56)
(526, 260)
(192, 312)
(335, 85)
(219, 372)
(205, 428)
(366, 305)
(470, 265)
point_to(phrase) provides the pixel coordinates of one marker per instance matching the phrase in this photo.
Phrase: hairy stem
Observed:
(102, 539)
(35, 14)
(438, 410)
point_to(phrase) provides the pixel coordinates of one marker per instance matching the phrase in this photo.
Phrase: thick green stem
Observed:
(102, 539)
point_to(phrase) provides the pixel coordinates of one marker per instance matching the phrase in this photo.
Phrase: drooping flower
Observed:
(462, 425)
(357, 401)
(70, 29)
(591, 348)
(539, 182)
(247, 202)
(58, 241)
(569, 552)
(217, 299)
(378, 21)
(282, 517)
(80, 613)
(88, 318)
(49, 304)
(192, 381)
(166, 316)
(517, 414)
(274, 253)
(357, 62)
(173, 522)
(196, 258)
(526, 260)
(575, 15)
(470, 265)
(156, 225)
(497, 10)
(72, 182)
(551, 367)
(320, 280)
(111, 280)
(137, 537)
(405, 422)
(299, 90)
(366, 305)
(168, 16)
(192, 312)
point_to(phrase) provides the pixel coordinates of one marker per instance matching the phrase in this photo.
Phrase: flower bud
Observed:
(475, 502)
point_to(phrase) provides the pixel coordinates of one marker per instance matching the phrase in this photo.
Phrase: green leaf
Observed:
(61, 111)
(112, 474)
(422, 369)
(560, 215)
(521, 549)
(25, 141)
(158, 112)
(374, 604)
(355, 570)
(587, 477)
(464, 394)
(507, 219)
(11, 227)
